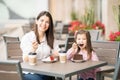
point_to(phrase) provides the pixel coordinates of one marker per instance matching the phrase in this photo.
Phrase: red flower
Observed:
(75, 25)
(94, 26)
(99, 25)
(114, 36)
(82, 26)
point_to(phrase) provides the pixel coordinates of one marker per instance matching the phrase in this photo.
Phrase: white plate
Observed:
(77, 61)
(49, 61)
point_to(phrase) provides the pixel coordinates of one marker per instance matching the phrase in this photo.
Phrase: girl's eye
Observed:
(84, 39)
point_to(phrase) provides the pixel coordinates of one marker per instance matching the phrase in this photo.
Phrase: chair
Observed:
(58, 29)
(10, 38)
(57, 23)
(116, 74)
(117, 70)
(26, 28)
(107, 51)
(63, 30)
(10, 70)
(13, 50)
(68, 43)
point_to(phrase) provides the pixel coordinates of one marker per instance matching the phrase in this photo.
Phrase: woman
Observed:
(41, 40)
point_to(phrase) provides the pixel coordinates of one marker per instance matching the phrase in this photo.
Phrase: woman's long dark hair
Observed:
(49, 32)
(89, 45)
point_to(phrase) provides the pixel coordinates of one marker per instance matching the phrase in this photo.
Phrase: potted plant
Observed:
(115, 36)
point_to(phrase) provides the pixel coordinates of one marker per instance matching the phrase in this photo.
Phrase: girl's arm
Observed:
(94, 56)
(71, 52)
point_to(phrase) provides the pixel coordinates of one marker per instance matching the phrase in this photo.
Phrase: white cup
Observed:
(62, 57)
(32, 59)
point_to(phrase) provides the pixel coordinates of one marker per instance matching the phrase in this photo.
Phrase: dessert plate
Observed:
(49, 61)
(77, 61)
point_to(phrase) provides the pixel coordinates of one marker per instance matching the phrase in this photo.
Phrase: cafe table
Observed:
(62, 70)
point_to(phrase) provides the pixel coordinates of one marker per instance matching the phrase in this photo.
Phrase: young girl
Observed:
(82, 46)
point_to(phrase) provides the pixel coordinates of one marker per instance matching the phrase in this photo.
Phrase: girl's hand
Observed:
(34, 46)
(74, 46)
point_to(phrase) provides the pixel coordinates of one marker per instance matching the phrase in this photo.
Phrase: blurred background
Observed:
(17, 13)
(24, 11)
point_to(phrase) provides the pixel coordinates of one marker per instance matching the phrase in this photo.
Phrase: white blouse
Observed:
(43, 49)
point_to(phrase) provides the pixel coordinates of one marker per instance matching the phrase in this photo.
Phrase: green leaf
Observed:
(117, 38)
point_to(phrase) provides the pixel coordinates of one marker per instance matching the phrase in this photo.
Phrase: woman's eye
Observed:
(41, 20)
(47, 22)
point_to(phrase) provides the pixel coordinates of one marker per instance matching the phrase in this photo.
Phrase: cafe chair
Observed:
(68, 43)
(26, 28)
(62, 31)
(10, 38)
(10, 70)
(106, 51)
(57, 29)
(116, 74)
(14, 51)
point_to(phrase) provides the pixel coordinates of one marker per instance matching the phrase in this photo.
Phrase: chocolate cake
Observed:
(78, 57)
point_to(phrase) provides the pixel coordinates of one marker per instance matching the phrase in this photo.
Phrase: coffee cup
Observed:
(62, 57)
(32, 58)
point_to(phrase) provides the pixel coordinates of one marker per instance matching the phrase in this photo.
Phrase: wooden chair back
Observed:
(10, 70)
(69, 42)
(116, 75)
(65, 29)
(26, 28)
(10, 38)
(57, 23)
(58, 29)
(107, 51)
(13, 50)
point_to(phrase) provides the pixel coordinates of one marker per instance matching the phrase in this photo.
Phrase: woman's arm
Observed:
(26, 43)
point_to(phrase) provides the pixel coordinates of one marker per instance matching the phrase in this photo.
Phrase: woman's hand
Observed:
(34, 46)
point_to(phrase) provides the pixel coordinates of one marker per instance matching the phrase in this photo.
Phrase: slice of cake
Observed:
(48, 59)
(78, 57)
